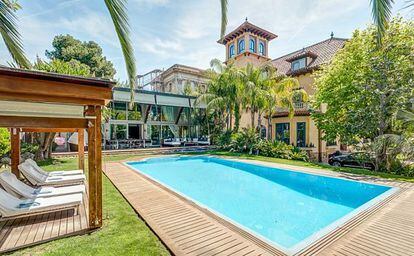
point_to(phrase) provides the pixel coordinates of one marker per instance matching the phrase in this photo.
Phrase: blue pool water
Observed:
(285, 207)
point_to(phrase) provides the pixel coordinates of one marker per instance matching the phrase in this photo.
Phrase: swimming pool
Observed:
(288, 209)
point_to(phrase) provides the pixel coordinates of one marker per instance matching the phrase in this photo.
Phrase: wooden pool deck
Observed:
(28, 231)
(187, 229)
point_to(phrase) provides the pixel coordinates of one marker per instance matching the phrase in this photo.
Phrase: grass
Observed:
(123, 233)
(314, 165)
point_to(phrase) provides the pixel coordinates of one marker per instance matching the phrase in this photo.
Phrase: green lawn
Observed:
(123, 233)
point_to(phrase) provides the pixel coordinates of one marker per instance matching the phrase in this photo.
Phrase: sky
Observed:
(166, 32)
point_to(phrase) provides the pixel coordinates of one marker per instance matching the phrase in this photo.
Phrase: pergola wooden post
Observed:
(43, 102)
(15, 150)
(81, 149)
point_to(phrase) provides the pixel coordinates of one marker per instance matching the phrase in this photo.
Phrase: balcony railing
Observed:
(301, 105)
(297, 106)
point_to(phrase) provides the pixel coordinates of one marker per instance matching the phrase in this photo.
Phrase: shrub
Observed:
(224, 140)
(4, 141)
(244, 141)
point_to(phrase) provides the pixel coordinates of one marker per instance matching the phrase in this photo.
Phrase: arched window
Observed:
(231, 51)
(261, 48)
(241, 46)
(252, 45)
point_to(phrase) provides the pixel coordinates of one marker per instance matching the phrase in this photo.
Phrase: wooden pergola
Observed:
(33, 101)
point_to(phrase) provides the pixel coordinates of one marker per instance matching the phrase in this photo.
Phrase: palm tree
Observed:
(252, 80)
(281, 93)
(223, 92)
(407, 116)
(13, 41)
(224, 4)
(10, 34)
(117, 10)
(381, 14)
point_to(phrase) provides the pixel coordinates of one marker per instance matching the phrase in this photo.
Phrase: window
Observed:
(153, 133)
(298, 64)
(154, 113)
(252, 45)
(283, 132)
(263, 132)
(301, 134)
(134, 131)
(119, 111)
(118, 131)
(262, 48)
(231, 51)
(240, 46)
(136, 113)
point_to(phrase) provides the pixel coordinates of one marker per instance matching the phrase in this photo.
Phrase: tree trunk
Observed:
(269, 128)
(44, 140)
(259, 121)
(236, 118)
(231, 119)
(252, 117)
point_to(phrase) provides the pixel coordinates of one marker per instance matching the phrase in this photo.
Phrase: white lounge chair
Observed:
(19, 189)
(204, 141)
(55, 173)
(39, 179)
(172, 142)
(12, 207)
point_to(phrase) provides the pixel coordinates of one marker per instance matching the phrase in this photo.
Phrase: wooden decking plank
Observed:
(26, 231)
(16, 230)
(179, 224)
(172, 218)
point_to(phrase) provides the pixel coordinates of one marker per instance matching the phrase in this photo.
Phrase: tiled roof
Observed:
(184, 69)
(247, 27)
(324, 52)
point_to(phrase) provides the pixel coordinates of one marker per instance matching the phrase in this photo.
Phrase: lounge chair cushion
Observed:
(54, 173)
(39, 179)
(11, 206)
(19, 189)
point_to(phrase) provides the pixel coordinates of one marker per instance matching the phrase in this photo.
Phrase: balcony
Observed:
(301, 109)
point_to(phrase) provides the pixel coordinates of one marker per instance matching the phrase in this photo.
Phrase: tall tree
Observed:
(118, 12)
(66, 48)
(381, 14)
(72, 67)
(365, 86)
(223, 4)
(10, 34)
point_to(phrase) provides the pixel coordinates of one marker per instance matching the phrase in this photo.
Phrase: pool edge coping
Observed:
(355, 217)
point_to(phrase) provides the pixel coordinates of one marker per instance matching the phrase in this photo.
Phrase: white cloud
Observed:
(159, 47)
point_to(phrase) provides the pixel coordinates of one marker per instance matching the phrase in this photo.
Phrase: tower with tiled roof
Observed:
(247, 44)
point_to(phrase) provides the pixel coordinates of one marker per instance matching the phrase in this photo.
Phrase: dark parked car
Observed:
(360, 159)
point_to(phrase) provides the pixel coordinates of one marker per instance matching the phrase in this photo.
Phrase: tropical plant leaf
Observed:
(381, 13)
(118, 12)
(10, 34)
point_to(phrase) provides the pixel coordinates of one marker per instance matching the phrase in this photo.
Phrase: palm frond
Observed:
(409, 4)
(381, 14)
(11, 36)
(224, 4)
(406, 116)
(118, 12)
